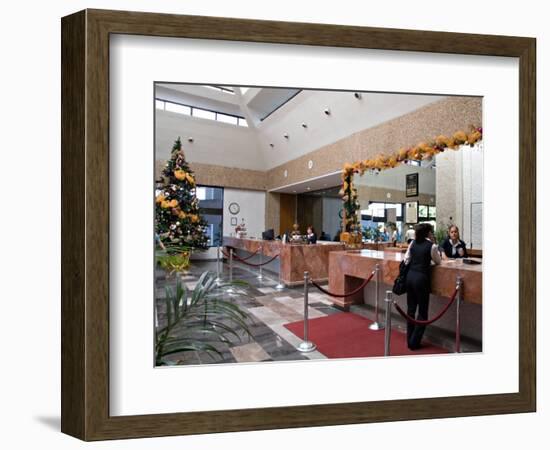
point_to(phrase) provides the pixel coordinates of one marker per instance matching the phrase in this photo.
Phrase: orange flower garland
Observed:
(421, 151)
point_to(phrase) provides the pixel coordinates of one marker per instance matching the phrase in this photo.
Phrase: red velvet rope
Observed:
(257, 265)
(355, 291)
(243, 260)
(248, 257)
(427, 322)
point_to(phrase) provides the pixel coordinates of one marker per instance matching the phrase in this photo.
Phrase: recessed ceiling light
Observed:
(271, 144)
(308, 188)
(285, 135)
(304, 125)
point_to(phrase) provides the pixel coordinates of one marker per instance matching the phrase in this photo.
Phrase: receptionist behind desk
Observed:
(453, 246)
(311, 236)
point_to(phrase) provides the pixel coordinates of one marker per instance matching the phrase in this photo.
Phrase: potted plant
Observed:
(200, 321)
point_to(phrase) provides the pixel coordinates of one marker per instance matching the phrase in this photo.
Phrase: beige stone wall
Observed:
(272, 212)
(448, 188)
(443, 117)
(230, 177)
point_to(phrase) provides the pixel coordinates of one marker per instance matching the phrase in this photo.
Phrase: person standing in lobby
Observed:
(420, 254)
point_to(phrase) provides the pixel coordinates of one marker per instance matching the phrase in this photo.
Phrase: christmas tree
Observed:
(177, 218)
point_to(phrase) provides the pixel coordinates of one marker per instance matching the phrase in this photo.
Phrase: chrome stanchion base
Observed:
(280, 286)
(376, 326)
(306, 346)
(260, 277)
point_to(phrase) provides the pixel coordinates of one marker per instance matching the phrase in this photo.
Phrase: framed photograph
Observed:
(160, 148)
(411, 185)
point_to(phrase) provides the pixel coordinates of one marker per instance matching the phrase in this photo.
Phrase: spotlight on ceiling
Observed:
(358, 95)
(304, 125)
(271, 144)
(285, 135)
(327, 111)
(190, 139)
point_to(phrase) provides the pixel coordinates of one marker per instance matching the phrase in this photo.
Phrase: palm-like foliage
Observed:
(198, 321)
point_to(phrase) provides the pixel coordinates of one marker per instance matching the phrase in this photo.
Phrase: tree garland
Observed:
(421, 151)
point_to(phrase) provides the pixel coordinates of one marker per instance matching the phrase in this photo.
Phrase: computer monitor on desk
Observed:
(268, 235)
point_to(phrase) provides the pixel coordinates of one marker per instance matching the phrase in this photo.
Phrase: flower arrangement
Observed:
(421, 151)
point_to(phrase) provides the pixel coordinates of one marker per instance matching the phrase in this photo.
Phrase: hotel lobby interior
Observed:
(300, 206)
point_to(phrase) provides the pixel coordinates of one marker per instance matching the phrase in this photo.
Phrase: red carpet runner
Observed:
(347, 335)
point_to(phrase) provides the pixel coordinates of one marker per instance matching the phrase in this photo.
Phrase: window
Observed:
(200, 112)
(426, 213)
(423, 212)
(227, 119)
(211, 209)
(203, 114)
(177, 108)
(221, 88)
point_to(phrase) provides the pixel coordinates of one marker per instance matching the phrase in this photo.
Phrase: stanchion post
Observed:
(280, 286)
(376, 325)
(230, 289)
(260, 276)
(231, 264)
(218, 272)
(458, 300)
(306, 345)
(387, 337)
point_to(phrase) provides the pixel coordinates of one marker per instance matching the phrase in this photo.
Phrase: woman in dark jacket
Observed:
(453, 246)
(311, 236)
(420, 254)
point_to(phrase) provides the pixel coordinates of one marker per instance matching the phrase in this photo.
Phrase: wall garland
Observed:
(421, 151)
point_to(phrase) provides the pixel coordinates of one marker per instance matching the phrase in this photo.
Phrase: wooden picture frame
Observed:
(85, 227)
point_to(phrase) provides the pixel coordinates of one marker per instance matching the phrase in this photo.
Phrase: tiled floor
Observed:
(269, 310)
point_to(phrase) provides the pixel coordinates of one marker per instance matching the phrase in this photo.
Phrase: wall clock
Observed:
(234, 208)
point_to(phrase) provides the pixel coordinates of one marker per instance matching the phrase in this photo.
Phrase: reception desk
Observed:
(294, 259)
(348, 269)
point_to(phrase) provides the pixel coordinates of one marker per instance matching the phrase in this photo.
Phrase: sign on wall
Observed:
(411, 212)
(411, 185)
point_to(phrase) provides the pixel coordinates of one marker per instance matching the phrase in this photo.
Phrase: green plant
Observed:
(173, 258)
(200, 321)
(440, 232)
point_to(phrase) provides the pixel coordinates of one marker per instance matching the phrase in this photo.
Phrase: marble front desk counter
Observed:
(348, 269)
(293, 260)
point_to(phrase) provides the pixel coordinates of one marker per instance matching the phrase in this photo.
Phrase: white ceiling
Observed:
(266, 146)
